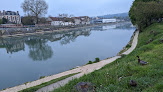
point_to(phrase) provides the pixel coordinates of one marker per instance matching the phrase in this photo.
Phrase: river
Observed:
(27, 58)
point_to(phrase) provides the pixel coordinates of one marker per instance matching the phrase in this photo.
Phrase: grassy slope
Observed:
(149, 77)
(35, 88)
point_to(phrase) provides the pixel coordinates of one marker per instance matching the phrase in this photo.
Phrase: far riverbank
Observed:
(17, 32)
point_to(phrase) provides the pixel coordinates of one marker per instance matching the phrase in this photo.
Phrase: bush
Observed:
(97, 60)
(128, 46)
(90, 62)
(0, 21)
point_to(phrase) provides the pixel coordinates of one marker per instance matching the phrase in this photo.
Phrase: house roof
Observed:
(11, 13)
(61, 19)
(56, 19)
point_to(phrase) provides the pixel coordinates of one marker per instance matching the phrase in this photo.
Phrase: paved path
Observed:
(83, 69)
(134, 44)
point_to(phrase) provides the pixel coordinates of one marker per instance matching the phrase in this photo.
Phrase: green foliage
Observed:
(97, 60)
(146, 12)
(146, 0)
(90, 62)
(42, 77)
(128, 46)
(115, 77)
(0, 21)
(28, 20)
(4, 20)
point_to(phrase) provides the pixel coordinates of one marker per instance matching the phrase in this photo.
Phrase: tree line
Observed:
(146, 12)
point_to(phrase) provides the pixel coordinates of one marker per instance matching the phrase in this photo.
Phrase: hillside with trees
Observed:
(146, 12)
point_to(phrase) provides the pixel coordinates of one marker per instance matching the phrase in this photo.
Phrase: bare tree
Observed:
(35, 8)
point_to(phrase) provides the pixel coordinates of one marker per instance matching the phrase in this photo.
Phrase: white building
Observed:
(82, 20)
(105, 21)
(56, 21)
(109, 20)
(11, 16)
(77, 20)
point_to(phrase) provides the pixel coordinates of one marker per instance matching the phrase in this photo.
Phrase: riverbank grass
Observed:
(35, 88)
(115, 77)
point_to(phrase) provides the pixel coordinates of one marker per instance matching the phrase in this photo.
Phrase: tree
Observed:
(145, 12)
(35, 8)
(0, 21)
(28, 20)
(42, 20)
(4, 20)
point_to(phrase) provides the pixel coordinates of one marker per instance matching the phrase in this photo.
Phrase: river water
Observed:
(24, 59)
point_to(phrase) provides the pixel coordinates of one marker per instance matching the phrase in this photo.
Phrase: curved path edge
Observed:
(83, 70)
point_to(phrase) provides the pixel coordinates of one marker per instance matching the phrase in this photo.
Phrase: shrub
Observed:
(128, 46)
(97, 60)
(90, 62)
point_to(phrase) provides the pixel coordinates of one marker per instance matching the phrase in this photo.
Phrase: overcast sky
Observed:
(75, 7)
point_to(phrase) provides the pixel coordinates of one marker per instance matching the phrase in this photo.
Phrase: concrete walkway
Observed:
(83, 69)
(134, 44)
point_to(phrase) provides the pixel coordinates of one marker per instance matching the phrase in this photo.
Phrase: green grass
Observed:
(35, 88)
(148, 77)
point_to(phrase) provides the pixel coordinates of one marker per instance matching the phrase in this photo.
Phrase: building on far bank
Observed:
(85, 20)
(67, 21)
(104, 20)
(109, 20)
(82, 20)
(11, 16)
(77, 20)
(57, 21)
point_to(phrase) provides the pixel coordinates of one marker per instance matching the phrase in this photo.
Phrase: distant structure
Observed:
(59, 21)
(109, 20)
(63, 15)
(104, 20)
(11, 16)
(67, 21)
(81, 20)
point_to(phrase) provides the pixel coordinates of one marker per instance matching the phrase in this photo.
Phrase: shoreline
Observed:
(61, 30)
(83, 69)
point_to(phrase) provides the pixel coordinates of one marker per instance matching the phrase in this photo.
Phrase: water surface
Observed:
(24, 59)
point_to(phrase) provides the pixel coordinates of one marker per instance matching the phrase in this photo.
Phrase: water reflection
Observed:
(61, 51)
(71, 36)
(39, 50)
(12, 45)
